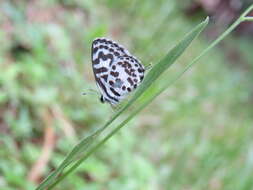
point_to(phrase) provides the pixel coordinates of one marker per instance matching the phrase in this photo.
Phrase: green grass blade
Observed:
(85, 146)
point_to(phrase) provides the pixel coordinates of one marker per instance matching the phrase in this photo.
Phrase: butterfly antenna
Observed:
(91, 91)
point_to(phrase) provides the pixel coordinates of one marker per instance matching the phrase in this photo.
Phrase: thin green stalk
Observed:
(248, 18)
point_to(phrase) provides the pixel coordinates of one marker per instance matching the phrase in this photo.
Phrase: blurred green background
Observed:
(197, 135)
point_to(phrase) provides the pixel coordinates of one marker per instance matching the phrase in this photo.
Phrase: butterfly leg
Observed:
(149, 66)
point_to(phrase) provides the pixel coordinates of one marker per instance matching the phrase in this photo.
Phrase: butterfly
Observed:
(116, 71)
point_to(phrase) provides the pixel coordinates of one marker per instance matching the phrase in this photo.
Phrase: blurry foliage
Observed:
(201, 138)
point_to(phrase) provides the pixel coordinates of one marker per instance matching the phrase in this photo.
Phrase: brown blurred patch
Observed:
(49, 142)
(36, 12)
(223, 12)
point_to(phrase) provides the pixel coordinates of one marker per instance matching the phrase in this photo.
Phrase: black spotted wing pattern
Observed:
(116, 71)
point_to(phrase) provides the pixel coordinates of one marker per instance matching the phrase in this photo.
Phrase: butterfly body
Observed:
(116, 71)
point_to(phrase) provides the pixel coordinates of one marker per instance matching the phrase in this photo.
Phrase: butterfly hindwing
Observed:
(116, 71)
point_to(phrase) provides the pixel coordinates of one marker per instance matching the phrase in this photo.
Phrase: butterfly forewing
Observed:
(116, 71)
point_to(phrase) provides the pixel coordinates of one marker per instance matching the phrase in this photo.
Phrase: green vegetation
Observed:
(196, 136)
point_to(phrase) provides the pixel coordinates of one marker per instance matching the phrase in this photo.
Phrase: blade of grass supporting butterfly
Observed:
(153, 74)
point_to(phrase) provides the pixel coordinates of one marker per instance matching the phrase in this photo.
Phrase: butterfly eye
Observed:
(102, 99)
